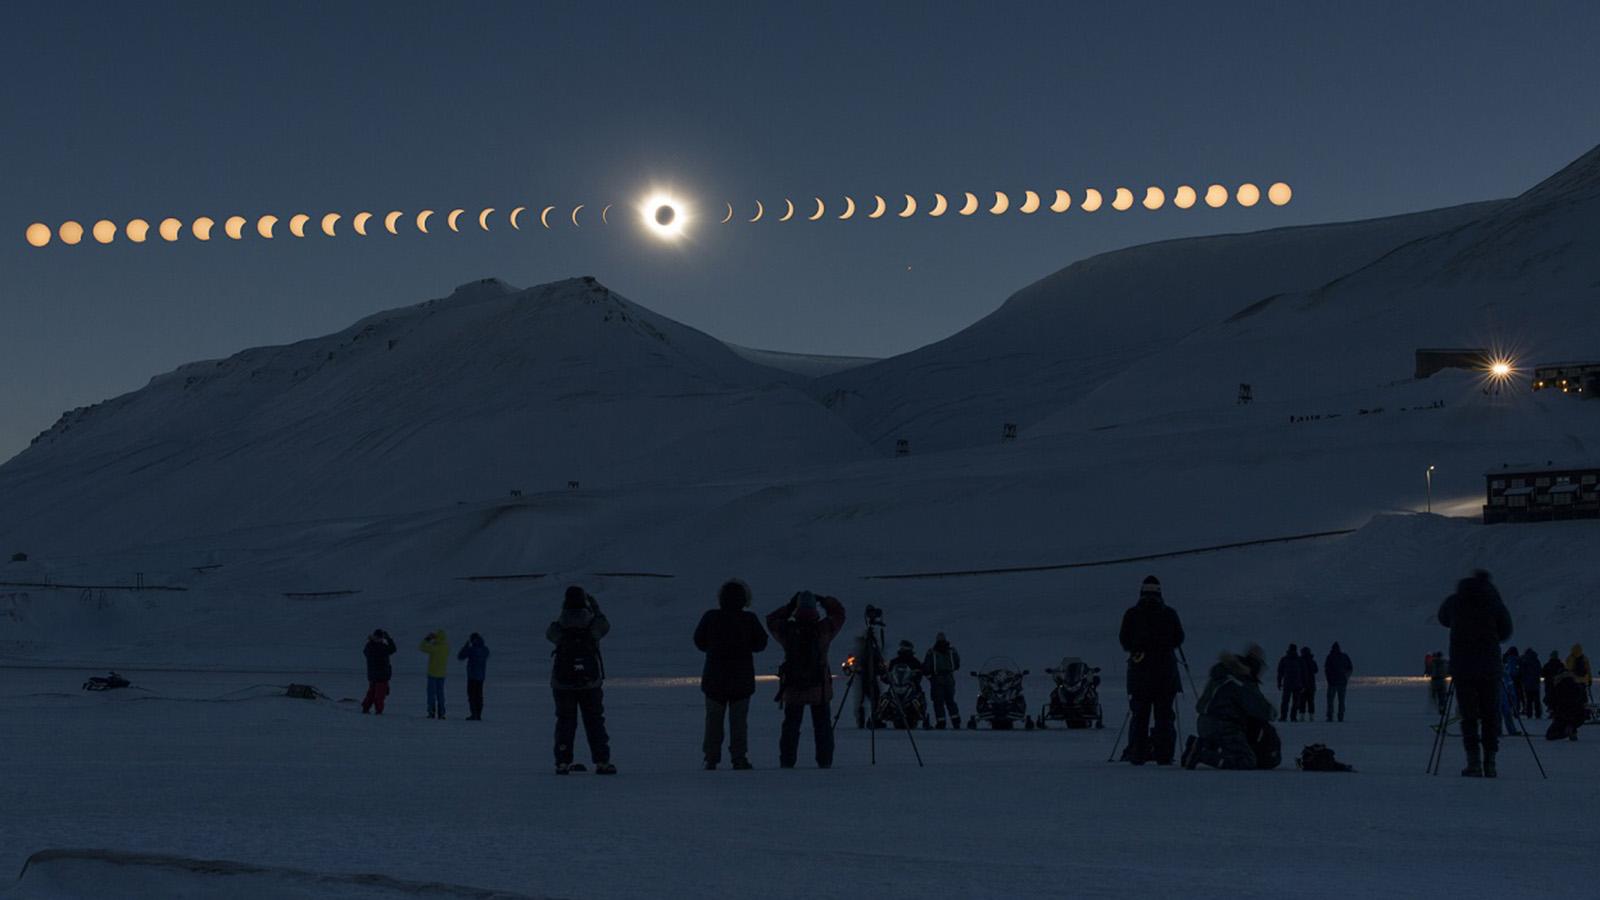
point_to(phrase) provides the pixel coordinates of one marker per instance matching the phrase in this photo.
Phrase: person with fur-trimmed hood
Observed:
(1235, 719)
(577, 674)
(1478, 623)
(730, 636)
(1151, 634)
(1567, 712)
(805, 680)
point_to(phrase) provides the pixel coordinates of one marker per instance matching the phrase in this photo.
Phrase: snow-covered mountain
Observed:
(488, 390)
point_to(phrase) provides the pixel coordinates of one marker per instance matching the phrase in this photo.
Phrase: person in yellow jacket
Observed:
(437, 646)
(1578, 665)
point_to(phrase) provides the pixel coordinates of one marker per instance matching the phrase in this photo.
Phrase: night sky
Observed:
(119, 110)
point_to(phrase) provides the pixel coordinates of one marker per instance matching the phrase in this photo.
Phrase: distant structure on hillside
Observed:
(1542, 493)
(1434, 360)
(1582, 379)
(1246, 394)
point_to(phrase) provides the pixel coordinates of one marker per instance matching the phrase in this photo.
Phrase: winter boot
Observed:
(1474, 767)
(1488, 764)
(939, 725)
(742, 765)
(563, 768)
(711, 766)
(605, 768)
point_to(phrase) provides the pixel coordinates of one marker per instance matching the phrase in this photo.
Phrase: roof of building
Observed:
(1546, 467)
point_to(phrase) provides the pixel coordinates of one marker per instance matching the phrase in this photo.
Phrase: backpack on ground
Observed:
(1319, 758)
(577, 659)
(803, 665)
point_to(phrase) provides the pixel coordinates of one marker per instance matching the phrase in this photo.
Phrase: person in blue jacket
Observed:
(476, 653)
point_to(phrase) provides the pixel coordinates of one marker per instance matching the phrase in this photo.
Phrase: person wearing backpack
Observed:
(805, 681)
(1478, 622)
(379, 670)
(476, 653)
(730, 636)
(576, 675)
(941, 664)
(437, 646)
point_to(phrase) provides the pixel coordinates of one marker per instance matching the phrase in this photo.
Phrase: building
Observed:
(1582, 379)
(1434, 360)
(1542, 493)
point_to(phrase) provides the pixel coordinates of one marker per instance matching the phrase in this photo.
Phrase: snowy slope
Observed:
(1094, 323)
(808, 365)
(485, 391)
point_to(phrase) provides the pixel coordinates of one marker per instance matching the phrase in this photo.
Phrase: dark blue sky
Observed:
(119, 110)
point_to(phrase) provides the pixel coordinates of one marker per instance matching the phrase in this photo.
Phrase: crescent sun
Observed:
(391, 220)
(849, 208)
(328, 222)
(1091, 200)
(234, 227)
(201, 228)
(603, 214)
(483, 218)
(1063, 201)
(880, 207)
(575, 215)
(514, 213)
(911, 207)
(422, 220)
(1001, 203)
(760, 211)
(729, 217)
(544, 216)
(451, 219)
(820, 209)
(788, 212)
(940, 204)
(360, 222)
(1123, 200)
(1030, 203)
(971, 206)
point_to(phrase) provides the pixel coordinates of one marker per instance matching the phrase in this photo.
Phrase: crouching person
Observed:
(805, 680)
(1235, 721)
(1566, 707)
(576, 678)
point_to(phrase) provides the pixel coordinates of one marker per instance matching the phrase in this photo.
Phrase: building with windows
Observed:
(1582, 379)
(1542, 493)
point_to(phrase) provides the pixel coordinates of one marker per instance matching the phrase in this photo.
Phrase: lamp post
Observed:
(1429, 475)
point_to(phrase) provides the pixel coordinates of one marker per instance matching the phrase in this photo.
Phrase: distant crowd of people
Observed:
(1233, 729)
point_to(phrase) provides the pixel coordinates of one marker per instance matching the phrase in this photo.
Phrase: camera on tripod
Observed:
(874, 616)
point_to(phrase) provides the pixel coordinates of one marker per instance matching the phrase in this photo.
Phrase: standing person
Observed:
(1478, 622)
(1511, 663)
(379, 670)
(1235, 720)
(437, 646)
(1552, 668)
(1291, 681)
(1578, 665)
(1308, 672)
(1337, 668)
(1151, 633)
(1509, 685)
(804, 680)
(730, 636)
(476, 653)
(1529, 672)
(942, 662)
(577, 674)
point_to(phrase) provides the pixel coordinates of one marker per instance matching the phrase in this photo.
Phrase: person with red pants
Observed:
(378, 650)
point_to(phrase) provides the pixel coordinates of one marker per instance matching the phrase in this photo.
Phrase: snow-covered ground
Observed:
(207, 766)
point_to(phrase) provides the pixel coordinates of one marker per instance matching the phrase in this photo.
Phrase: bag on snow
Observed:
(1319, 758)
(577, 659)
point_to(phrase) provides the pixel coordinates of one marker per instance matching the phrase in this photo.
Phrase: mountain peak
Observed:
(1579, 179)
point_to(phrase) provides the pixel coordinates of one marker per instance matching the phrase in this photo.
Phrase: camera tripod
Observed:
(1436, 756)
(873, 651)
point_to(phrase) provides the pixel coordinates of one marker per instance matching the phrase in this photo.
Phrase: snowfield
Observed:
(456, 463)
(315, 786)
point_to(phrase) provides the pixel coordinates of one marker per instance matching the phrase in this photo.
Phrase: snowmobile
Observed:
(1000, 700)
(106, 683)
(904, 692)
(1075, 699)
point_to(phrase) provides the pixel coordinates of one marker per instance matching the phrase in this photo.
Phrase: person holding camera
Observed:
(730, 636)
(576, 676)
(805, 681)
(379, 670)
(437, 646)
(1478, 623)
(476, 653)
